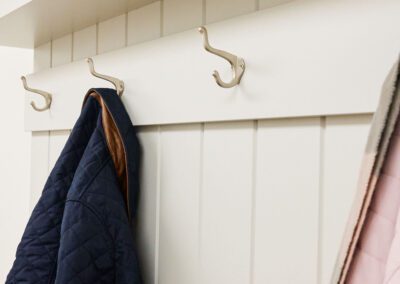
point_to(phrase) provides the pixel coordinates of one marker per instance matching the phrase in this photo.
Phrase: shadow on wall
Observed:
(14, 153)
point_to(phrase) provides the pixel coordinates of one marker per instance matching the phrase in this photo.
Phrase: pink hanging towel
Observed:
(370, 252)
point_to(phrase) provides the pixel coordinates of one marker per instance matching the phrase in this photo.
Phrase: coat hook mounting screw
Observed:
(118, 84)
(237, 64)
(47, 96)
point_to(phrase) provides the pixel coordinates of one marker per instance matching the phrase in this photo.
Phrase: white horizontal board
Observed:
(305, 58)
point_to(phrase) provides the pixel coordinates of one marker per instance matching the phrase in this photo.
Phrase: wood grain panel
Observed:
(85, 43)
(179, 204)
(147, 208)
(344, 143)
(61, 52)
(226, 203)
(112, 34)
(39, 164)
(180, 15)
(144, 23)
(286, 201)
(217, 10)
(57, 141)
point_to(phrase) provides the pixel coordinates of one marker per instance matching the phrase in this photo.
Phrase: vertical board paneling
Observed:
(84, 43)
(180, 15)
(39, 164)
(57, 141)
(217, 10)
(230, 203)
(179, 204)
(345, 139)
(144, 23)
(146, 218)
(42, 57)
(226, 203)
(61, 52)
(286, 201)
(112, 34)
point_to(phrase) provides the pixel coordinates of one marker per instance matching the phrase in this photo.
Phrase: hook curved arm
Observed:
(118, 84)
(45, 95)
(237, 64)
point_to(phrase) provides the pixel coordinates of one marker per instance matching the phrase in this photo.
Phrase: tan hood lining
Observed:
(116, 148)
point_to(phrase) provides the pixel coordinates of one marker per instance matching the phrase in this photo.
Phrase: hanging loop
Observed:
(237, 64)
(118, 84)
(45, 95)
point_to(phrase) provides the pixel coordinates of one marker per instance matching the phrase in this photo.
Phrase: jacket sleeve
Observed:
(86, 248)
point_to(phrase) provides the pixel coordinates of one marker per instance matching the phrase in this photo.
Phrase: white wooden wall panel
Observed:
(61, 53)
(287, 201)
(226, 197)
(218, 10)
(61, 50)
(180, 15)
(57, 141)
(40, 139)
(112, 34)
(153, 69)
(344, 143)
(39, 164)
(144, 23)
(42, 57)
(85, 43)
(147, 218)
(180, 181)
(249, 202)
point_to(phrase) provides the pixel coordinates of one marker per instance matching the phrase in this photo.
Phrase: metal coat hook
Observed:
(119, 84)
(237, 64)
(45, 95)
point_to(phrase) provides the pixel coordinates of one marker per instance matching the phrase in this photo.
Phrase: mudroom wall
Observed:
(14, 152)
(223, 200)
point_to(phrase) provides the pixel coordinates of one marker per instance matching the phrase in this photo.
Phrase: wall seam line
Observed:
(126, 29)
(158, 199)
(253, 199)
(161, 18)
(321, 197)
(200, 202)
(97, 38)
(204, 11)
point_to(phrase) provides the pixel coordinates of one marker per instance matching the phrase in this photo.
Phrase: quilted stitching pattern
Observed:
(79, 231)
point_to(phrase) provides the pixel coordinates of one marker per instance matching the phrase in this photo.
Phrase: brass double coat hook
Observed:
(237, 64)
(119, 86)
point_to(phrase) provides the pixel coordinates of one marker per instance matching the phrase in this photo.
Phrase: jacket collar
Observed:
(122, 143)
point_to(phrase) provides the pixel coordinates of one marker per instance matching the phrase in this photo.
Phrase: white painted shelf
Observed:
(39, 21)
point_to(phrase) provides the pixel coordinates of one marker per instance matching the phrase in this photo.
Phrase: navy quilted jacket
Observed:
(80, 230)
